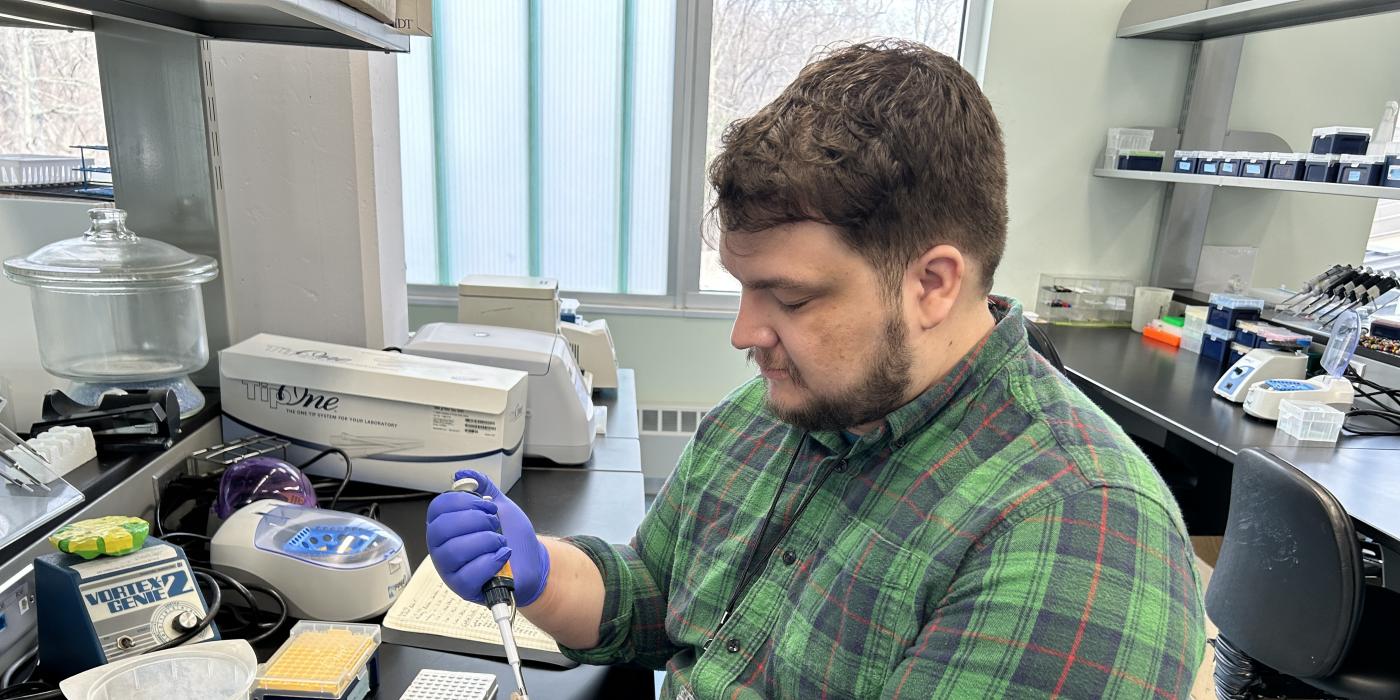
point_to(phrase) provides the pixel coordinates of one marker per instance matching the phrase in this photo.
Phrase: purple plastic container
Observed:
(260, 478)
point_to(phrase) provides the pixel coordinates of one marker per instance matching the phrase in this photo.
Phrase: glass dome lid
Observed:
(109, 257)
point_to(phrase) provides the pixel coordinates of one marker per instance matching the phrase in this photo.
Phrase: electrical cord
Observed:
(245, 591)
(1387, 401)
(14, 668)
(349, 470)
(387, 497)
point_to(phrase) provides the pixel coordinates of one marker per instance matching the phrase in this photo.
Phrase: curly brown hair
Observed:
(890, 141)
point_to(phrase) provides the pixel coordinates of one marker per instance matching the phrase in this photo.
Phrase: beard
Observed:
(877, 393)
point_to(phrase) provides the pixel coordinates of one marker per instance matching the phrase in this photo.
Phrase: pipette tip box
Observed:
(1322, 168)
(1341, 140)
(1227, 310)
(1150, 161)
(1287, 166)
(1231, 164)
(322, 660)
(1361, 170)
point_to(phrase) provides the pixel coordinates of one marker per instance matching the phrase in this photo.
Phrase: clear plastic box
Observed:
(318, 660)
(1235, 301)
(1191, 343)
(1085, 300)
(1310, 420)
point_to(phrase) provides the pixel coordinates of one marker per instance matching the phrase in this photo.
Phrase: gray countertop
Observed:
(1169, 389)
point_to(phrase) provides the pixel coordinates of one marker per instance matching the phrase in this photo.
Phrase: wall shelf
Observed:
(326, 23)
(1255, 184)
(1140, 20)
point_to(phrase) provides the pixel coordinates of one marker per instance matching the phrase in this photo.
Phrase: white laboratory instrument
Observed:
(592, 345)
(407, 421)
(1258, 365)
(1333, 388)
(561, 420)
(531, 303)
(328, 565)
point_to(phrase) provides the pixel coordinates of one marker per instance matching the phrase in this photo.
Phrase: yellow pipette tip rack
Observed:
(318, 660)
(113, 536)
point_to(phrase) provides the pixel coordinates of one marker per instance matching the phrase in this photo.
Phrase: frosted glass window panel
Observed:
(580, 142)
(758, 46)
(482, 117)
(551, 144)
(653, 62)
(416, 143)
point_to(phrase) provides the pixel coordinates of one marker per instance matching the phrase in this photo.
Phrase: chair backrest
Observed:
(1288, 588)
(1040, 342)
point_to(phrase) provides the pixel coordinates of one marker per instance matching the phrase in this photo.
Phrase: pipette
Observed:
(499, 593)
(1315, 283)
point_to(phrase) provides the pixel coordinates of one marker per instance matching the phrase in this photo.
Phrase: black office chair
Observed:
(1289, 593)
(1040, 342)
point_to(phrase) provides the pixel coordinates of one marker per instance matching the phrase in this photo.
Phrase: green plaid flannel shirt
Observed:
(996, 537)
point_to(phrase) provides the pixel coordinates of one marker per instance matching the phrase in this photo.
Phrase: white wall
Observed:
(1290, 81)
(313, 243)
(25, 226)
(1058, 80)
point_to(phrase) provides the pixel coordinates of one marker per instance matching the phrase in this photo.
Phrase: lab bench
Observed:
(1162, 397)
(603, 497)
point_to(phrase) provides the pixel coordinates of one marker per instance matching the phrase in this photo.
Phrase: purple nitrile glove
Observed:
(468, 550)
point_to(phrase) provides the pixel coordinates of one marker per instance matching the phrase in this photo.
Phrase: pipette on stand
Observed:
(499, 593)
(1315, 283)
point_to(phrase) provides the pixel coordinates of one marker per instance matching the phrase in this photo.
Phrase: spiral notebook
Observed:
(429, 615)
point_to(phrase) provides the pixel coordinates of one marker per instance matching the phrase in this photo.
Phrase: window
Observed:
(538, 137)
(551, 125)
(757, 48)
(50, 98)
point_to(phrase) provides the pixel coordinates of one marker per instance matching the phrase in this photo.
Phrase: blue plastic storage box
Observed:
(1215, 346)
(1231, 164)
(1209, 163)
(1341, 140)
(1185, 162)
(1287, 166)
(1324, 168)
(1255, 165)
(1148, 161)
(1392, 171)
(1361, 170)
(1226, 310)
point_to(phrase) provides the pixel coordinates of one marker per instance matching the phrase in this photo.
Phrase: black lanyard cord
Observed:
(750, 571)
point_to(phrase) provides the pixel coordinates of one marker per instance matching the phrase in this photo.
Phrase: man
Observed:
(909, 502)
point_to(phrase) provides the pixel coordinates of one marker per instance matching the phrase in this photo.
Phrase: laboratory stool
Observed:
(1289, 592)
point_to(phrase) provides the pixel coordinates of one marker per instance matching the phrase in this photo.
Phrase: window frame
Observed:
(689, 117)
